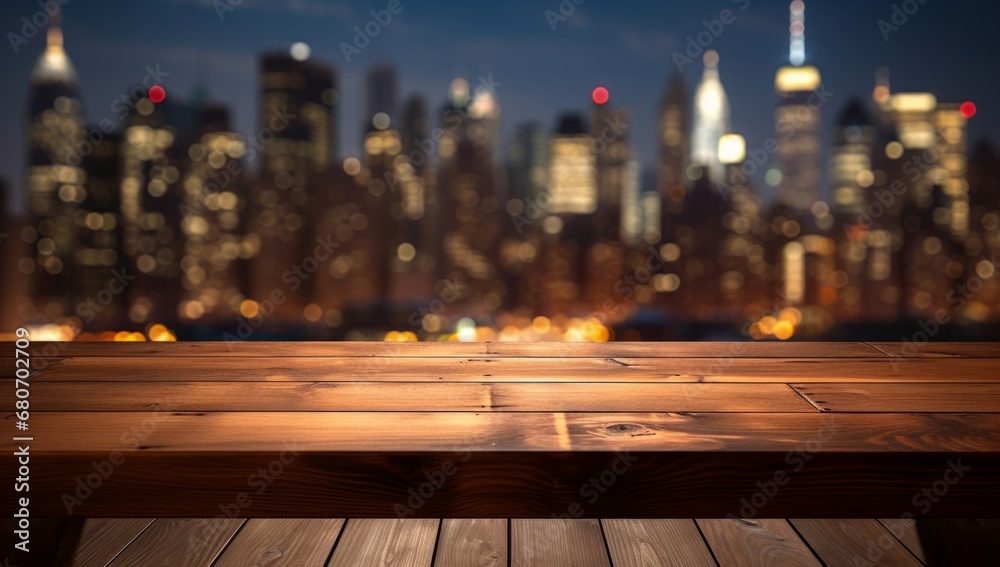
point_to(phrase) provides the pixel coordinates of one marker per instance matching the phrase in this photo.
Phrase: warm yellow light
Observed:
(791, 79)
(249, 308)
(732, 148)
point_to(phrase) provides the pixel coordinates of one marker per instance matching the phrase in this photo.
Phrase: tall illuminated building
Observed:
(215, 200)
(797, 119)
(297, 142)
(297, 102)
(99, 237)
(572, 168)
(850, 159)
(54, 178)
(711, 118)
(616, 179)
(674, 137)
(933, 136)
(469, 193)
(952, 167)
(154, 157)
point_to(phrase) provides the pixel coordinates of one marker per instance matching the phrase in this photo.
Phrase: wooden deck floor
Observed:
(495, 543)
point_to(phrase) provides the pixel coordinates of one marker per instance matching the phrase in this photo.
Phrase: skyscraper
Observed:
(572, 168)
(850, 159)
(711, 118)
(215, 200)
(55, 180)
(674, 137)
(297, 140)
(797, 121)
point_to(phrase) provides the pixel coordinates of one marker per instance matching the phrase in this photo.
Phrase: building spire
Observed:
(797, 28)
(54, 35)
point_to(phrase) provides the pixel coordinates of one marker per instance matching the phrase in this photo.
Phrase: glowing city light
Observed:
(300, 51)
(157, 94)
(968, 109)
(600, 95)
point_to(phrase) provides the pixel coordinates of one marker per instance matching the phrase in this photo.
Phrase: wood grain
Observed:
(282, 543)
(385, 543)
(399, 369)
(756, 543)
(882, 398)
(679, 349)
(854, 542)
(102, 539)
(660, 543)
(938, 349)
(484, 432)
(472, 543)
(557, 543)
(411, 396)
(171, 542)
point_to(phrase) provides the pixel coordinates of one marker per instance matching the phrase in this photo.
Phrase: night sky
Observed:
(951, 48)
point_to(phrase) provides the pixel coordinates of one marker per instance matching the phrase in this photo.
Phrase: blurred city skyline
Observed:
(855, 213)
(541, 71)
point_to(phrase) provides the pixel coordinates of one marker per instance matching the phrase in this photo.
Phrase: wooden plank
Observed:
(70, 432)
(700, 349)
(903, 397)
(282, 543)
(528, 465)
(753, 543)
(381, 542)
(169, 542)
(472, 543)
(939, 349)
(854, 542)
(411, 396)
(905, 531)
(101, 539)
(9, 367)
(557, 543)
(397, 369)
(665, 543)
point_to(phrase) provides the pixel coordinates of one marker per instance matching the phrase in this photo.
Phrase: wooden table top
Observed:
(530, 430)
